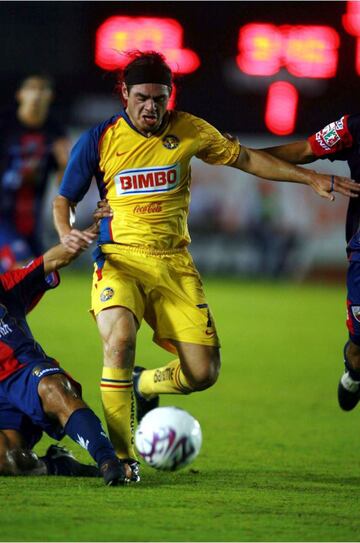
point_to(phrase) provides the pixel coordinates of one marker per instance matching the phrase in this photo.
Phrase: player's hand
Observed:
(103, 210)
(326, 185)
(77, 241)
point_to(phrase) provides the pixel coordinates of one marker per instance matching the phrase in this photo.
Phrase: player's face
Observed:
(35, 94)
(146, 105)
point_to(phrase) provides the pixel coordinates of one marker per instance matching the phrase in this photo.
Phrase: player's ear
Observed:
(124, 91)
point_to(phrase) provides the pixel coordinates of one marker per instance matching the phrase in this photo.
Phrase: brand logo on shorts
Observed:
(171, 142)
(355, 309)
(39, 371)
(106, 294)
(147, 180)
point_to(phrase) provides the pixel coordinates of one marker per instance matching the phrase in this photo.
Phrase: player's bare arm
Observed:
(264, 165)
(59, 256)
(71, 238)
(298, 152)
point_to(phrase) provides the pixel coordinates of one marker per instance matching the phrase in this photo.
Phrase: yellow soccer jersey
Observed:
(146, 180)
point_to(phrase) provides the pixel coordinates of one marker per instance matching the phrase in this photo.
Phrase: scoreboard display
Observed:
(269, 67)
(278, 62)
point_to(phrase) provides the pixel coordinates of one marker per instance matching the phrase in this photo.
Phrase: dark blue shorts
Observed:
(353, 301)
(20, 404)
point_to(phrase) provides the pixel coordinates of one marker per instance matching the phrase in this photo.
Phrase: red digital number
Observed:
(305, 51)
(119, 34)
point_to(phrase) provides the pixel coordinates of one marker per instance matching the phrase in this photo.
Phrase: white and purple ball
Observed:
(168, 438)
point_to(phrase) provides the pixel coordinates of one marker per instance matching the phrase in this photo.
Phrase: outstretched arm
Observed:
(60, 255)
(298, 152)
(264, 165)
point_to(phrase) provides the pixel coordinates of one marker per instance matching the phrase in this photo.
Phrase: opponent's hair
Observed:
(151, 61)
(38, 75)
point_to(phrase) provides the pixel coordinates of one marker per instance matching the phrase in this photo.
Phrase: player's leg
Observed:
(196, 369)
(118, 303)
(118, 328)
(183, 324)
(349, 385)
(49, 400)
(62, 402)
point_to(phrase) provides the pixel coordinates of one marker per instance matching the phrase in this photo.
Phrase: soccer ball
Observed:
(168, 438)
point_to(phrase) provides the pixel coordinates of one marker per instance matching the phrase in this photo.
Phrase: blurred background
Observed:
(269, 72)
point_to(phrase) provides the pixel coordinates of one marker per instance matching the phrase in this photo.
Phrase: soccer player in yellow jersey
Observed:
(140, 159)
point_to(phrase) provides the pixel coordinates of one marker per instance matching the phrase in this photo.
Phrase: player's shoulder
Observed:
(99, 128)
(97, 131)
(189, 120)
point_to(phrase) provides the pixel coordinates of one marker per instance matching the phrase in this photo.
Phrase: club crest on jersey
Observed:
(106, 294)
(329, 136)
(147, 180)
(355, 309)
(171, 142)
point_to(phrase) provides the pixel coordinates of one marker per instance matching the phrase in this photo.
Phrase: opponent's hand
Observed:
(326, 185)
(77, 241)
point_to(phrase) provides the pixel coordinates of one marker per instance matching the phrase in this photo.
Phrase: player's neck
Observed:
(30, 117)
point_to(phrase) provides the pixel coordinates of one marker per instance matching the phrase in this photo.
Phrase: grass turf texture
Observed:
(280, 461)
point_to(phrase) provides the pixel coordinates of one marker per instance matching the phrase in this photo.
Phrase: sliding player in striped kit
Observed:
(141, 161)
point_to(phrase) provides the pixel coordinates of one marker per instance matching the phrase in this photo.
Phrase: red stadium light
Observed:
(311, 51)
(260, 47)
(119, 34)
(281, 107)
(351, 19)
(351, 23)
(305, 51)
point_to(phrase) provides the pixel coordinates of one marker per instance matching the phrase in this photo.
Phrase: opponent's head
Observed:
(146, 88)
(35, 94)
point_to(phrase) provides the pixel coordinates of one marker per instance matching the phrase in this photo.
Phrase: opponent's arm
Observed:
(298, 152)
(262, 164)
(59, 256)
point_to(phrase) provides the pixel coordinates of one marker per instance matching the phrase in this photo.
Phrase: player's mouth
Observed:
(150, 120)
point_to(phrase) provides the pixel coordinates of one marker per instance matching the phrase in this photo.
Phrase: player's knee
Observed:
(352, 353)
(205, 375)
(57, 393)
(120, 349)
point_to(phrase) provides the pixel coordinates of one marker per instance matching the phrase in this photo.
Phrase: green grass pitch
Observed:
(280, 461)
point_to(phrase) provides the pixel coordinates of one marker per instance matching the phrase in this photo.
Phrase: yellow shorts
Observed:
(163, 287)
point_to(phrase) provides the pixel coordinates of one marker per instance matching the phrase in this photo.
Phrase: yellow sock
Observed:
(166, 380)
(118, 404)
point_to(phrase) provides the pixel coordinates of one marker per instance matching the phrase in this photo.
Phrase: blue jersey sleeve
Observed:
(81, 168)
(83, 164)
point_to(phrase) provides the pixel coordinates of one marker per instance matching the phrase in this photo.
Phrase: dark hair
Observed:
(37, 75)
(149, 61)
